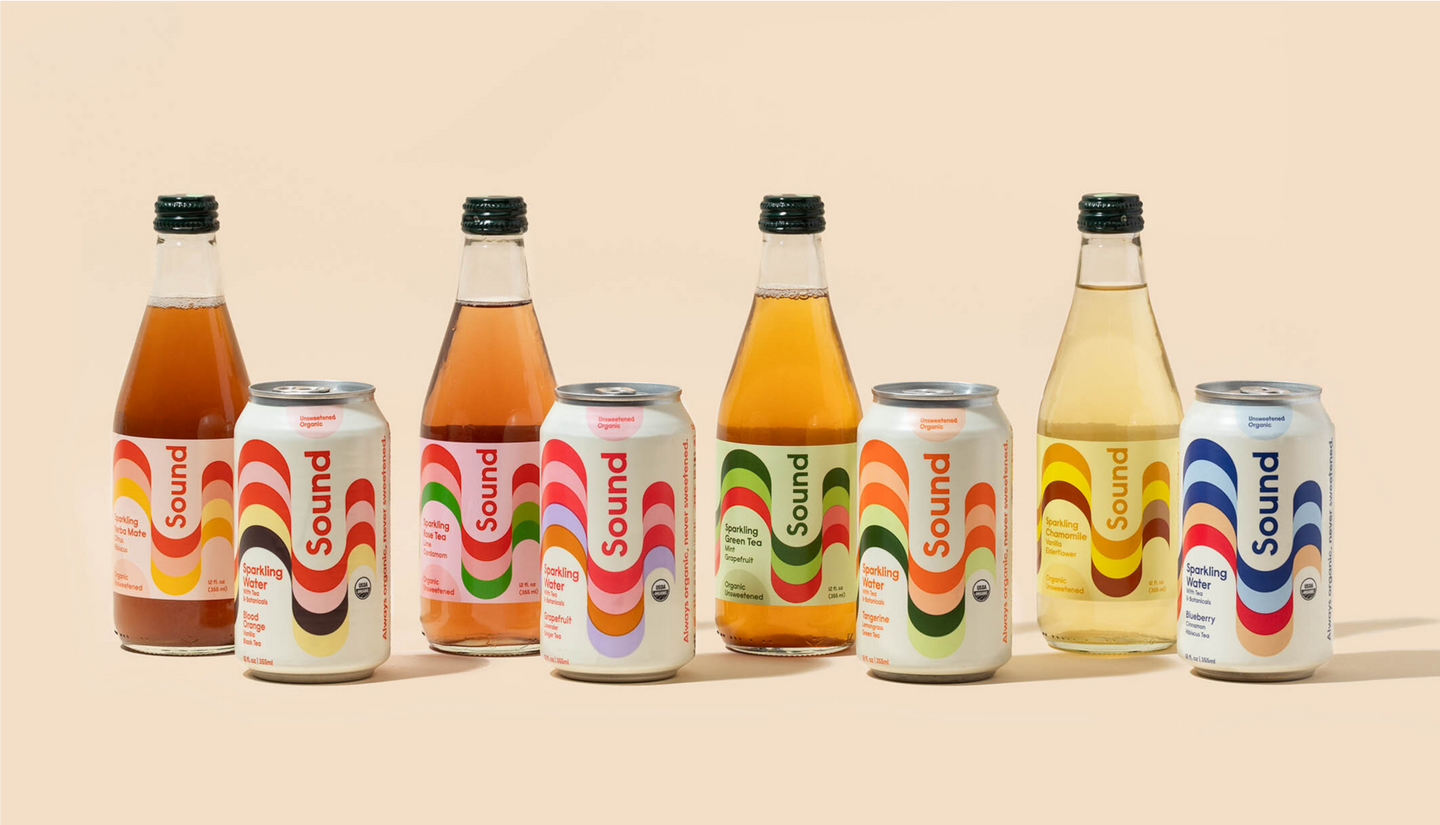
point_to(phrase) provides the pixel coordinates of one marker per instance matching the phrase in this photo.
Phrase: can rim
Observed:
(934, 394)
(310, 393)
(627, 393)
(1257, 392)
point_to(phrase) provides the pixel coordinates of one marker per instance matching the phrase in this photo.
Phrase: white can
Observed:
(617, 532)
(935, 487)
(313, 580)
(1257, 508)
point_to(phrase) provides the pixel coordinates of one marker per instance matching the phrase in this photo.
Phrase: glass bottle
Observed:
(1108, 453)
(173, 452)
(480, 449)
(785, 576)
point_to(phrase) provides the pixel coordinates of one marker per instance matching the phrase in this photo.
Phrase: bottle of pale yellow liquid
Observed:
(784, 573)
(1108, 453)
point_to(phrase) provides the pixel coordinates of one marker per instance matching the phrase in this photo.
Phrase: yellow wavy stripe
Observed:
(322, 645)
(217, 508)
(1118, 568)
(1061, 471)
(126, 488)
(1155, 491)
(176, 585)
(362, 555)
(263, 516)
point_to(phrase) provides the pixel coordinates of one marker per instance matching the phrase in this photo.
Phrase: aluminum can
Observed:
(617, 532)
(1257, 511)
(313, 559)
(935, 482)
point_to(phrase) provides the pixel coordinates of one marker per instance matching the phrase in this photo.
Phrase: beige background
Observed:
(1286, 156)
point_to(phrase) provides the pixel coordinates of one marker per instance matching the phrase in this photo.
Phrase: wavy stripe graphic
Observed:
(795, 570)
(175, 562)
(615, 604)
(1116, 566)
(936, 599)
(486, 566)
(318, 598)
(1264, 599)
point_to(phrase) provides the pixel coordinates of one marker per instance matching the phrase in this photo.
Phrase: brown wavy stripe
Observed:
(1157, 528)
(1115, 588)
(1060, 451)
(1064, 491)
(1157, 472)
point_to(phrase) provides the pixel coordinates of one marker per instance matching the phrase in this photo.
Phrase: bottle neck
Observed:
(493, 271)
(187, 271)
(1110, 261)
(791, 262)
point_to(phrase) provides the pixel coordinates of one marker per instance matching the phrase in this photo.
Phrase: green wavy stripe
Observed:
(481, 589)
(796, 555)
(526, 518)
(934, 636)
(435, 491)
(796, 573)
(837, 481)
(883, 518)
(748, 461)
(882, 538)
(744, 477)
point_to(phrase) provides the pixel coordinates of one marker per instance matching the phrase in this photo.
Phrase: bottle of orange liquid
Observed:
(784, 573)
(480, 449)
(173, 456)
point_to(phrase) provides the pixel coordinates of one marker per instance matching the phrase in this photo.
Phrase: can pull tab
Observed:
(928, 392)
(301, 389)
(615, 391)
(1258, 389)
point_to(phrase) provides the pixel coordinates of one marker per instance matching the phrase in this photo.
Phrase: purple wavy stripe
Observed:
(560, 515)
(658, 558)
(616, 646)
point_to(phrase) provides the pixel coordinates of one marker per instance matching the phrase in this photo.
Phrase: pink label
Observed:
(939, 425)
(614, 423)
(173, 506)
(480, 521)
(315, 422)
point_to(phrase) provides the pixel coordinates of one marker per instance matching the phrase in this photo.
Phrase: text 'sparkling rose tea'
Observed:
(172, 462)
(1257, 508)
(480, 449)
(935, 486)
(784, 573)
(1108, 453)
(314, 551)
(617, 478)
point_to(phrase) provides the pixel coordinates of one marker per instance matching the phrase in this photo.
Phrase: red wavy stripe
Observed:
(795, 592)
(362, 533)
(256, 450)
(176, 548)
(557, 450)
(661, 535)
(216, 471)
(524, 474)
(835, 533)
(1203, 535)
(264, 494)
(554, 493)
(744, 497)
(487, 550)
(128, 449)
(1265, 624)
(979, 494)
(658, 493)
(319, 581)
(358, 491)
(436, 454)
(616, 581)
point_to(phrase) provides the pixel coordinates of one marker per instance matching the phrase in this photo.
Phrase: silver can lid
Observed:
(1256, 392)
(934, 394)
(308, 393)
(617, 392)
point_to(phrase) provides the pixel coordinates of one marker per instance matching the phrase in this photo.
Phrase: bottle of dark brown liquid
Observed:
(480, 449)
(173, 458)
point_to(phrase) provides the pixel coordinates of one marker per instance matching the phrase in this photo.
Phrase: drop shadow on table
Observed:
(1363, 626)
(722, 667)
(1055, 665)
(401, 666)
(1376, 666)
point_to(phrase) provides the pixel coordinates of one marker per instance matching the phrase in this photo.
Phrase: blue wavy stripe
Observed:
(1203, 449)
(1208, 472)
(1205, 493)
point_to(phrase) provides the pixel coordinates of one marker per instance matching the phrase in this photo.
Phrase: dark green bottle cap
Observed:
(792, 214)
(1111, 213)
(187, 214)
(494, 215)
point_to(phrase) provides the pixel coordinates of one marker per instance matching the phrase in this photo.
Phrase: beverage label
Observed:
(173, 503)
(480, 521)
(1103, 532)
(783, 527)
(619, 515)
(314, 553)
(1255, 564)
(935, 545)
